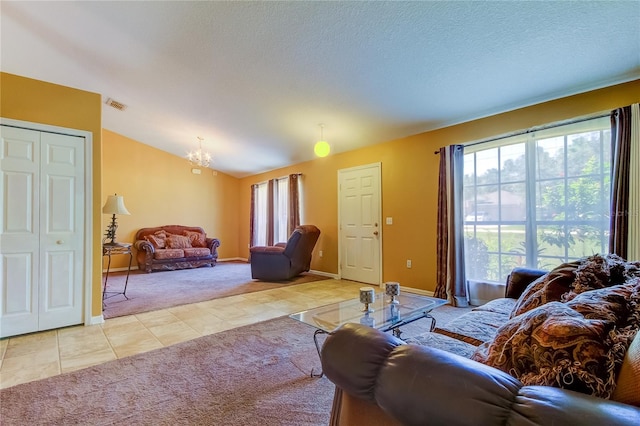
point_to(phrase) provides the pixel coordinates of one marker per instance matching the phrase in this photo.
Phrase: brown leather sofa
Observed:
(382, 380)
(170, 247)
(285, 260)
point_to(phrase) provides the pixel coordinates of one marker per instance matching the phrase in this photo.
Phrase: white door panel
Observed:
(360, 230)
(41, 230)
(61, 238)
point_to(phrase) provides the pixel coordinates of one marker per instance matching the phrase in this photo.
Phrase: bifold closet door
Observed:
(41, 230)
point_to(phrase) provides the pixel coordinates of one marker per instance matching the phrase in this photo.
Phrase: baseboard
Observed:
(324, 274)
(234, 259)
(417, 291)
(124, 268)
(96, 320)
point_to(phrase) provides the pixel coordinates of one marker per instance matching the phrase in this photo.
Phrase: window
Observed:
(537, 199)
(273, 214)
(281, 210)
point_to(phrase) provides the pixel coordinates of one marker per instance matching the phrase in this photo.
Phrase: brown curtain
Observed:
(294, 203)
(620, 156)
(451, 280)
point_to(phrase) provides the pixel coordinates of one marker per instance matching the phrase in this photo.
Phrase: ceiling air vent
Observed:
(115, 104)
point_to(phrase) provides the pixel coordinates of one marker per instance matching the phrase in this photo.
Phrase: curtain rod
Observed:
(538, 128)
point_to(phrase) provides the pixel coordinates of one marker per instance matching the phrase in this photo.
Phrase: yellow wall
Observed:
(159, 189)
(410, 183)
(40, 102)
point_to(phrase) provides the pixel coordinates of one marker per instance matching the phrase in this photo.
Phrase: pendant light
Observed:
(322, 147)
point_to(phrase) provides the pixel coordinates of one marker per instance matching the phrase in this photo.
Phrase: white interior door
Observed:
(20, 230)
(359, 223)
(41, 230)
(61, 230)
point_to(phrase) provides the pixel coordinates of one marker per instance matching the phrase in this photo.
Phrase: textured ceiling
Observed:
(255, 79)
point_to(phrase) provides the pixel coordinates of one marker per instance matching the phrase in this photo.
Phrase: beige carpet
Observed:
(253, 375)
(161, 290)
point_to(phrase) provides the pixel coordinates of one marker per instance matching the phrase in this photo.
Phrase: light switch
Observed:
(389, 221)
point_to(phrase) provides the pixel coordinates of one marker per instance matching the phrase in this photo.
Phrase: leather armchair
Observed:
(285, 261)
(382, 381)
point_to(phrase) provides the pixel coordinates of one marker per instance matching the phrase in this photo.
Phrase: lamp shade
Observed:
(322, 148)
(115, 205)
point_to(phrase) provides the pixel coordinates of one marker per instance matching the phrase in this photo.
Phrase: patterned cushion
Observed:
(196, 239)
(628, 385)
(504, 306)
(475, 327)
(168, 254)
(578, 345)
(548, 288)
(446, 343)
(196, 252)
(157, 241)
(178, 242)
(570, 279)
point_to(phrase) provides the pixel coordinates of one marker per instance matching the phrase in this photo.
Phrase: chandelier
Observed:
(199, 158)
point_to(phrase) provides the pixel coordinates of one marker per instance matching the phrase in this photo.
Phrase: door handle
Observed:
(60, 242)
(375, 233)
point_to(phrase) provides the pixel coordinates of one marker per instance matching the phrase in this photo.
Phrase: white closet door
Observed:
(41, 230)
(61, 230)
(19, 239)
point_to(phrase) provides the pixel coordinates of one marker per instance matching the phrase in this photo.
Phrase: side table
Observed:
(111, 250)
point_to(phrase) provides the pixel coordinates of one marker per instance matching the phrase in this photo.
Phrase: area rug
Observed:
(161, 290)
(252, 375)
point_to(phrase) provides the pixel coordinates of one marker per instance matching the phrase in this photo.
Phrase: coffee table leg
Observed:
(315, 340)
(433, 321)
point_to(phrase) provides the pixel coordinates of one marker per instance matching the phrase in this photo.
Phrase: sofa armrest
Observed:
(519, 279)
(213, 244)
(144, 245)
(418, 385)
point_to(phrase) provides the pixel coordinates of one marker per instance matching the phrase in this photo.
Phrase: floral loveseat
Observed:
(170, 247)
(562, 348)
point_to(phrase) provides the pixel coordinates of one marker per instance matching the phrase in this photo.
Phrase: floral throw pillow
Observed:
(177, 241)
(157, 241)
(548, 288)
(197, 239)
(578, 345)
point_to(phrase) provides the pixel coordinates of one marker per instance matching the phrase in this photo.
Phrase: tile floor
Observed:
(49, 353)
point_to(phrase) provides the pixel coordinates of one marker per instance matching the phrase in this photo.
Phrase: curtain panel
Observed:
(294, 203)
(625, 200)
(265, 212)
(451, 280)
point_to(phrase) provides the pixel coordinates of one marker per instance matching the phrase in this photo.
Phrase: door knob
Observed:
(60, 242)
(375, 233)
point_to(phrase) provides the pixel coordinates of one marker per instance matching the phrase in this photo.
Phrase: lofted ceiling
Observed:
(255, 79)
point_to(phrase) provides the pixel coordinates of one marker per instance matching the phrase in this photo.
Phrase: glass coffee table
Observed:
(384, 316)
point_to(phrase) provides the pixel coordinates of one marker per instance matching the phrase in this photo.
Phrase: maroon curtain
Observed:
(621, 158)
(451, 280)
(294, 203)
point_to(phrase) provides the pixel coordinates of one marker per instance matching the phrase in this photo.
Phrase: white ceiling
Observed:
(255, 79)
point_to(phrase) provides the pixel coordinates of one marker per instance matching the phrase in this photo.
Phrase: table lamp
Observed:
(114, 206)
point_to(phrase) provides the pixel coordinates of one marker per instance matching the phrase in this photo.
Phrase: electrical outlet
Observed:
(409, 263)
(320, 253)
(389, 221)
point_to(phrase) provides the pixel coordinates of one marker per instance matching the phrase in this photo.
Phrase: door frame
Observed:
(87, 282)
(378, 167)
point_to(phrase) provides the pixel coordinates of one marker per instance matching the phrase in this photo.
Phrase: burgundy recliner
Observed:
(285, 260)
